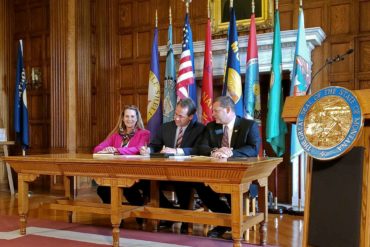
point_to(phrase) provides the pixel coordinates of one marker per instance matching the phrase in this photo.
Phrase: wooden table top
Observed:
(197, 169)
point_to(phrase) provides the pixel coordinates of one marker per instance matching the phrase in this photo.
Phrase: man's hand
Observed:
(168, 150)
(219, 155)
(227, 151)
(222, 153)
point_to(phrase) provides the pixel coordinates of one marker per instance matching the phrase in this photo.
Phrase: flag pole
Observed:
(301, 158)
(208, 10)
(275, 209)
(170, 15)
(156, 18)
(187, 3)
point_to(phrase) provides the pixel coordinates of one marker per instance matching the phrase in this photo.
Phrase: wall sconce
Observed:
(36, 81)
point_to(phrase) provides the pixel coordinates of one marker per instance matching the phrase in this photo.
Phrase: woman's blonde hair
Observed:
(120, 126)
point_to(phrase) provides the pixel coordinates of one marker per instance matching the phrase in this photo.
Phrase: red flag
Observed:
(207, 85)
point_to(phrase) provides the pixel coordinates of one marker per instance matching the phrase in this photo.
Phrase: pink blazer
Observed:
(140, 139)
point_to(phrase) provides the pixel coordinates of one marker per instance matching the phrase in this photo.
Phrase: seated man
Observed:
(178, 137)
(228, 136)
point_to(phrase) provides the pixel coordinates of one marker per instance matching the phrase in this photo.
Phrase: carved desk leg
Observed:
(67, 193)
(116, 203)
(23, 201)
(237, 215)
(263, 205)
(154, 201)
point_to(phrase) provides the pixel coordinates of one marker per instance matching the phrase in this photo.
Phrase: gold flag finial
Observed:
(187, 3)
(208, 10)
(253, 6)
(170, 16)
(231, 3)
(300, 3)
(156, 18)
(276, 4)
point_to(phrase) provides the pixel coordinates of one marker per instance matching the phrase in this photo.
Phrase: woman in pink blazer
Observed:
(127, 137)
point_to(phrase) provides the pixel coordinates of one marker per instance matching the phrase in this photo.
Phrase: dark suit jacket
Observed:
(167, 134)
(245, 139)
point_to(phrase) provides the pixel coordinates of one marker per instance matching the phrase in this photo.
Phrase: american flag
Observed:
(185, 74)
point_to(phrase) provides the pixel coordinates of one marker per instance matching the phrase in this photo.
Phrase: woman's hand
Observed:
(109, 150)
(144, 150)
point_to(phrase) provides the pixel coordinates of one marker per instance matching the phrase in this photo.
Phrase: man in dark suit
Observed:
(166, 140)
(228, 136)
(178, 137)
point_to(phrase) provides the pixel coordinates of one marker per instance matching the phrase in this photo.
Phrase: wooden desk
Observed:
(8, 170)
(118, 172)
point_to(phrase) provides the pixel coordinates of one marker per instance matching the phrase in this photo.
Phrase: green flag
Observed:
(275, 126)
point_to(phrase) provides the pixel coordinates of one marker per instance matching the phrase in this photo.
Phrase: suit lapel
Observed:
(172, 134)
(219, 134)
(235, 131)
(187, 134)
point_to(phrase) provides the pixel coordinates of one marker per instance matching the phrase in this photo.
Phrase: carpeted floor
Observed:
(55, 233)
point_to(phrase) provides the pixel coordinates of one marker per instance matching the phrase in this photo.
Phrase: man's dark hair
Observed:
(226, 101)
(188, 103)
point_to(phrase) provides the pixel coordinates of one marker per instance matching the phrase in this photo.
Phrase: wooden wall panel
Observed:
(143, 75)
(286, 12)
(362, 63)
(314, 16)
(127, 79)
(364, 52)
(125, 9)
(340, 19)
(143, 44)
(142, 104)
(22, 20)
(126, 46)
(143, 13)
(163, 36)
(364, 17)
(39, 15)
(163, 13)
(36, 49)
(34, 112)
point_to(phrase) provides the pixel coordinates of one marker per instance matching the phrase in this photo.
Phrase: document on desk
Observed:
(118, 156)
(179, 157)
(201, 157)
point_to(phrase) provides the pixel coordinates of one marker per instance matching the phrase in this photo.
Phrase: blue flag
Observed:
(300, 77)
(154, 110)
(20, 101)
(169, 102)
(232, 84)
(275, 125)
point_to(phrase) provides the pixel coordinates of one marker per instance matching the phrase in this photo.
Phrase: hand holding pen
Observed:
(145, 150)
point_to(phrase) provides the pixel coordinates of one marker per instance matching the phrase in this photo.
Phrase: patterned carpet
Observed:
(55, 233)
